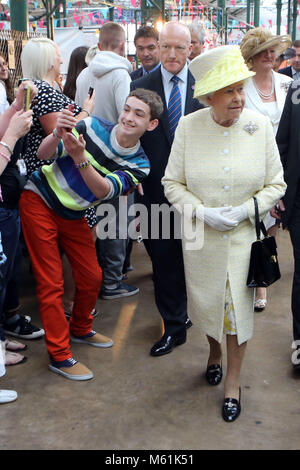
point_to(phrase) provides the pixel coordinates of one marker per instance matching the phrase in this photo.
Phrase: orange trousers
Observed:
(46, 234)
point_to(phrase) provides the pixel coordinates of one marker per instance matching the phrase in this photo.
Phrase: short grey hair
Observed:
(37, 58)
(203, 99)
(197, 28)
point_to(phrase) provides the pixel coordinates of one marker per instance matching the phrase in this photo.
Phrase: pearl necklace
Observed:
(265, 96)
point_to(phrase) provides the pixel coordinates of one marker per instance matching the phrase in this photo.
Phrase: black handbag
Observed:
(264, 267)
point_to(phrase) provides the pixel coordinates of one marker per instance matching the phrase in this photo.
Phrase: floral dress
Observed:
(229, 315)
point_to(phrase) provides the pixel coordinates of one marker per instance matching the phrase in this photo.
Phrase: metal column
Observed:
(278, 20)
(256, 13)
(248, 19)
(289, 17)
(294, 30)
(221, 17)
(19, 15)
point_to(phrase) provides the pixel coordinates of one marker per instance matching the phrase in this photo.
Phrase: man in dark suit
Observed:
(289, 147)
(293, 70)
(147, 50)
(166, 254)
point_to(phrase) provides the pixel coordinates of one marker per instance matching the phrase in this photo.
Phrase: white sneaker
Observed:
(7, 396)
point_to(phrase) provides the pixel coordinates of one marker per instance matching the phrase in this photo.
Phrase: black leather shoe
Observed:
(167, 343)
(296, 368)
(231, 409)
(214, 374)
(188, 323)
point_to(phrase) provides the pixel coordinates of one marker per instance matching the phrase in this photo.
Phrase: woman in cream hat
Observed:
(265, 93)
(221, 157)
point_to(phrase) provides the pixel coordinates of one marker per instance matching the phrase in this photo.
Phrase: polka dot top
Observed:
(48, 100)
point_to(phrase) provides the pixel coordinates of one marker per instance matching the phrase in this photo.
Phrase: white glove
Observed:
(213, 216)
(238, 213)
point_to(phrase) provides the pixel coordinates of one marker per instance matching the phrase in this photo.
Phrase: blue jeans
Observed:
(112, 252)
(12, 302)
(10, 232)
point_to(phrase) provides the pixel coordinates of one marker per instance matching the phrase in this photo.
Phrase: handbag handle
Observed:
(259, 225)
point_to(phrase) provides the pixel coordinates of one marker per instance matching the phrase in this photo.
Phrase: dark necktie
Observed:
(174, 106)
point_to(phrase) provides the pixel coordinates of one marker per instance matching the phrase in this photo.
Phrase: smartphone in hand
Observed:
(70, 108)
(91, 89)
(27, 98)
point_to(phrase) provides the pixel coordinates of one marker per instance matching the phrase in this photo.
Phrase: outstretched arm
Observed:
(65, 121)
(17, 105)
(18, 126)
(98, 185)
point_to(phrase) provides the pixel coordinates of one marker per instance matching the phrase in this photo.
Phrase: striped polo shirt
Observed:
(61, 185)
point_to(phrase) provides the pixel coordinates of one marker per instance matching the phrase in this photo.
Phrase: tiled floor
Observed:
(139, 402)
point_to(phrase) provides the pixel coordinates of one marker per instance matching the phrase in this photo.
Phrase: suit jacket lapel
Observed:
(189, 94)
(159, 88)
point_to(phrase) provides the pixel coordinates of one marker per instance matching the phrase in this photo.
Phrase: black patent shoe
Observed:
(188, 323)
(231, 408)
(167, 343)
(214, 374)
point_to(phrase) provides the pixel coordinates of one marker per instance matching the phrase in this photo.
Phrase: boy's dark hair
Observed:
(152, 99)
(296, 43)
(146, 32)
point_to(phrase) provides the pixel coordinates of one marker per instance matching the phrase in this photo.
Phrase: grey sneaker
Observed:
(122, 290)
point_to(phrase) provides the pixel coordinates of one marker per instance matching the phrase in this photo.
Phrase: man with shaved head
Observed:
(174, 83)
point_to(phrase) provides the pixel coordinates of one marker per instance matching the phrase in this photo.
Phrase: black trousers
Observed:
(169, 282)
(294, 228)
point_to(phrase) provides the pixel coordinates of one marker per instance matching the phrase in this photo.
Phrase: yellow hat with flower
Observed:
(217, 69)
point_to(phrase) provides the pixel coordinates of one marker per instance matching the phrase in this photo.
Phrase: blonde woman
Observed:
(41, 61)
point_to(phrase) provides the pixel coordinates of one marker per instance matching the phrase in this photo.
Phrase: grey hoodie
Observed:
(109, 75)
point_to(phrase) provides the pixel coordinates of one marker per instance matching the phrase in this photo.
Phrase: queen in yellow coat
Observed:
(221, 157)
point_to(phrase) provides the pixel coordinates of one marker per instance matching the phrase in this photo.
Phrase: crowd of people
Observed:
(186, 128)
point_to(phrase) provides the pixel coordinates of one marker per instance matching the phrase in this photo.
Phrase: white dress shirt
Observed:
(182, 84)
(295, 74)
